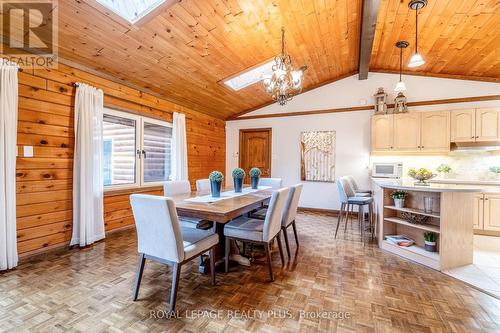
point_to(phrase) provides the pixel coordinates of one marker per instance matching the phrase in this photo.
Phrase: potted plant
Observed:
(444, 170)
(430, 239)
(216, 178)
(254, 176)
(238, 175)
(399, 198)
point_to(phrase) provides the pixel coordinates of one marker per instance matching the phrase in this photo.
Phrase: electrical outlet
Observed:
(28, 151)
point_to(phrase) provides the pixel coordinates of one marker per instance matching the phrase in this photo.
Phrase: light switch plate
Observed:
(28, 151)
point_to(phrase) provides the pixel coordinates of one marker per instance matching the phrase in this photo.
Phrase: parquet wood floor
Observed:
(89, 290)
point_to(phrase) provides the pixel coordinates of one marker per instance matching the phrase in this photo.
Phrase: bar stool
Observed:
(348, 197)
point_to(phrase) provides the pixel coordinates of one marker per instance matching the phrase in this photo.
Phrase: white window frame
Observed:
(139, 145)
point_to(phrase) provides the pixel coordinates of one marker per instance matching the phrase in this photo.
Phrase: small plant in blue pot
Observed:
(255, 176)
(216, 178)
(238, 175)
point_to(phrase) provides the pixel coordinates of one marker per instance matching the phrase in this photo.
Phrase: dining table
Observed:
(200, 205)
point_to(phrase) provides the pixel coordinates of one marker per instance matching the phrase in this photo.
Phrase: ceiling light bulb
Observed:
(400, 86)
(416, 60)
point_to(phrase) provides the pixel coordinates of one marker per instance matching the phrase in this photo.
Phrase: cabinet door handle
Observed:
(486, 199)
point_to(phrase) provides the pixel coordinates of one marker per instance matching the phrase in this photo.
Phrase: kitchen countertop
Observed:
(409, 185)
(489, 182)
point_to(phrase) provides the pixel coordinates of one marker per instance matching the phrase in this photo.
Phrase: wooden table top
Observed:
(221, 211)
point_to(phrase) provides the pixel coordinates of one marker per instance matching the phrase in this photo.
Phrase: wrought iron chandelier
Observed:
(284, 82)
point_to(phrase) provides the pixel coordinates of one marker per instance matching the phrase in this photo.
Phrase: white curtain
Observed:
(179, 148)
(8, 148)
(88, 212)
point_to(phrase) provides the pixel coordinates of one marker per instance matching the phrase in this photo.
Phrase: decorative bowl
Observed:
(422, 175)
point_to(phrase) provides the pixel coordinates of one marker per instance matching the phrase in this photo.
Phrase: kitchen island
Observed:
(451, 219)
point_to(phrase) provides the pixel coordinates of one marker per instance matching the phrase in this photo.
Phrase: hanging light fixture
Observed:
(402, 44)
(416, 59)
(284, 82)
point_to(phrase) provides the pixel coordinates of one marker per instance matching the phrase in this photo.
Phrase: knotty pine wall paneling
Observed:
(44, 182)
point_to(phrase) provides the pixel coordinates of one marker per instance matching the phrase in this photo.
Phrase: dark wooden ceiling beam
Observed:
(368, 24)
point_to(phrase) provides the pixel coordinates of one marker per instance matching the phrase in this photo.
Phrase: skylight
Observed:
(131, 10)
(249, 77)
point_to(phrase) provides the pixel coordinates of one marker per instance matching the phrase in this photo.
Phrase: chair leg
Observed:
(280, 247)
(370, 216)
(138, 276)
(226, 255)
(347, 216)
(268, 255)
(176, 272)
(285, 234)
(294, 227)
(212, 264)
(339, 221)
(361, 220)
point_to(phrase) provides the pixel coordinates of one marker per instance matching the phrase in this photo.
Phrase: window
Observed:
(137, 150)
(131, 10)
(249, 77)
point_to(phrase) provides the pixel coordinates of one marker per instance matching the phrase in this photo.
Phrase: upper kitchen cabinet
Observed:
(435, 131)
(487, 124)
(407, 131)
(382, 132)
(411, 132)
(474, 125)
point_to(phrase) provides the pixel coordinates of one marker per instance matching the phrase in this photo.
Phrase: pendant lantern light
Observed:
(402, 44)
(416, 59)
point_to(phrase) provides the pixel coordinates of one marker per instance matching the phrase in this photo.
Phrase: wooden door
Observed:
(478, 211)
(407, 131)
(435, 131)
(487, 124)
(382, 132)
(463, 125)
(492, 212)
(255, 151)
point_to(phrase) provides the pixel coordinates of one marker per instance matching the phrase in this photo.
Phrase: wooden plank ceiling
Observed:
(183, 51)
(457, 38)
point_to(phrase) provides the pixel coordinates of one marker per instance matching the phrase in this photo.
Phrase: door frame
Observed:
(240, 145)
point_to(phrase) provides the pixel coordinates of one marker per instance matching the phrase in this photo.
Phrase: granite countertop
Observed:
(489, 182)
(409, 185)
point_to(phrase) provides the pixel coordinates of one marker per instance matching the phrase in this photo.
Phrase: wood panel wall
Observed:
(44, 182)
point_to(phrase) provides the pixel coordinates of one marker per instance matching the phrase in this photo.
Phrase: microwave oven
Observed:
(387, 170)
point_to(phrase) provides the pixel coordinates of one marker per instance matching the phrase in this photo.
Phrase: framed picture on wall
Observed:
(317, 150)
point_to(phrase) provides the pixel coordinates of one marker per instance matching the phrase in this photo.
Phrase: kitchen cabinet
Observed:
(407, 131)
(382, 132)
(487, 125)
(435, 131)
(487, 211)
(475, 125)
(412, 132)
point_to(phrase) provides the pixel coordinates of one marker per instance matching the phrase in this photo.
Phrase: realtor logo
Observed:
(29, 32)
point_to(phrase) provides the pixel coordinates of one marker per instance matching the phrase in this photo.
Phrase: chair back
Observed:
(158, 230)
(175, 187)
(203, 185)
(353, 183)
(342, 194)
(349, 191)
(292, 202)
(275, 183)
(274, 215)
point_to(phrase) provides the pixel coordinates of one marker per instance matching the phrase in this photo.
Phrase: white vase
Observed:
(399, 203)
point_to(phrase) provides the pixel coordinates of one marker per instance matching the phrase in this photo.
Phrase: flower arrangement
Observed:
(255, 172)
(421, 175)
(216, 176)
(443, 168)
(239, 173)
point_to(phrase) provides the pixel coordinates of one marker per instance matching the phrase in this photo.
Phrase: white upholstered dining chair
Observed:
(161, 238)
(250, 230)
(203, 185)
(178, 187)
(275, 183)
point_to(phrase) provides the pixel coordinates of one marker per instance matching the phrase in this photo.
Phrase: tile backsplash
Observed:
(464, 164)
